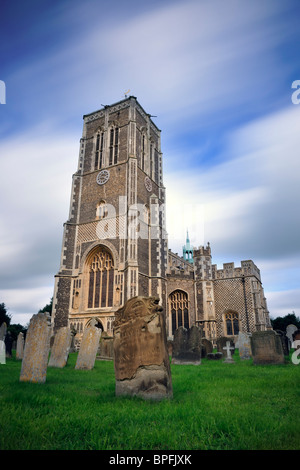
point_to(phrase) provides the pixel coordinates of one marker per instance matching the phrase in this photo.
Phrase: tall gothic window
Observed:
(232, 323)
(179, 305)
(99, 150)
(101, 279)
(113, 145)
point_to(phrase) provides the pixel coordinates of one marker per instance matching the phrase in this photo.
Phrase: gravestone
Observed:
(88, 347)
(207, 347)
(290, 330)
(20, 346)
(228, 348)
(244, 346)
(8, 344)
(141, 361)
(106, 347)
(3, 330)
(266, 348)
(221, 343)
(2, 352)
(187, 346)
(284, 342)
(36, 351)
(61, 348)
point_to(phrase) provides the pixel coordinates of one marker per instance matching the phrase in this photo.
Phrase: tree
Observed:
(280, 323)
(47, 308)
(4, 315)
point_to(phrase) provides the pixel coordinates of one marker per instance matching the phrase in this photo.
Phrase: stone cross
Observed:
(227, 349)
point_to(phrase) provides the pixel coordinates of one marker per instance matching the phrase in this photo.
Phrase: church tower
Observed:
(114, 241)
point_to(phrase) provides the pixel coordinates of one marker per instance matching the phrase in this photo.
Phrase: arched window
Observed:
(179, 305)
(113, 145)
(101, 210)
(101, 279)
(99, 150)
(232, 323)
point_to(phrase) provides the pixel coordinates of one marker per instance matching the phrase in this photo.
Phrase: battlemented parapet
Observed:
(248, 268)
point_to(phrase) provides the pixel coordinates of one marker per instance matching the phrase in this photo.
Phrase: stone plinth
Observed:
(141, 360)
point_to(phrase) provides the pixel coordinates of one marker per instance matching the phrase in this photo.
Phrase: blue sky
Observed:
(217, 74)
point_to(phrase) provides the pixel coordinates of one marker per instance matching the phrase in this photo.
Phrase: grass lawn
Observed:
(216, 406)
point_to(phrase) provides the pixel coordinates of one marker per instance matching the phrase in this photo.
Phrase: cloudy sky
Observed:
(218, 76)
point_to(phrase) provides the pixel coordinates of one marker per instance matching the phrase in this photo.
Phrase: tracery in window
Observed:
(101, 279)
(179, 306)
(232, 323)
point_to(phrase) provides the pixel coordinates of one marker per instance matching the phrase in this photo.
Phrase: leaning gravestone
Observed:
(20, 346)
(88, 347)
(2, 352)
(187, 346)
(61, 348)
(36, 351)
(244, 346)
(141, 360)
(266, 348)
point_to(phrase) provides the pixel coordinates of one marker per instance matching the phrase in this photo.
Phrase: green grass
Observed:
(215, 406)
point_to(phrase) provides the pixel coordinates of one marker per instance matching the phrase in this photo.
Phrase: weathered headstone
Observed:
(88, 347)
(106, 347)
(228, 350)
(290, 330)
(266, 348)
(207, 347)
(141, 360)
(2, 352)
(36, 351)
(244, 346)
(20, 346)
(284, 342)
(187, 346)
(61, 348)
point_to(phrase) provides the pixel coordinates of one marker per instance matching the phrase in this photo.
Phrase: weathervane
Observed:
(126, 93)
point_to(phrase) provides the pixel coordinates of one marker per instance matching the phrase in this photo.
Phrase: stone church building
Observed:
(115, 245)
